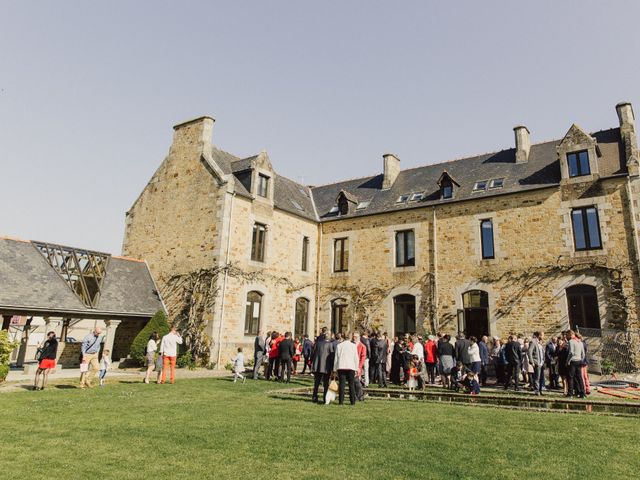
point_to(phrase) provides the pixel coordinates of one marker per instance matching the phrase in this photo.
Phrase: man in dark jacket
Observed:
(373, 358)
(381, 362)
(513, 353)
(462, 350)
(484, 359)
(259, 349)
(307, 349)
(286, 351)
(321, 365)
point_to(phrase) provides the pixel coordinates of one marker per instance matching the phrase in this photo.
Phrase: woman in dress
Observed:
(150, 356)
(446, 356)
(474, 355)
(296, 357)
(47, 359)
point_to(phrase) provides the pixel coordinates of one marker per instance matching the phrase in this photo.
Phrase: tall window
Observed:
(405, 249)
(578, 163)
(341, 255)
(339, 322)
(404, 307)
(258, 241)
(252, 313)
(586, 228)
(305, 253)
(486, 235)
(263, 185)
(302, 314)
(583, 307)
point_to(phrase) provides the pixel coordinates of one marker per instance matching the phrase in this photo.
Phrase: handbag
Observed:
(333, 386)
(84, 367)
(39, 354)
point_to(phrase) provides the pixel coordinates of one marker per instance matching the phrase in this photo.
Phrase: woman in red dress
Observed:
(47, 360)
(296, 356)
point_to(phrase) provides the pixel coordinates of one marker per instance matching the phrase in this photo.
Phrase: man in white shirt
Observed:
(346, 364)
(169, 352)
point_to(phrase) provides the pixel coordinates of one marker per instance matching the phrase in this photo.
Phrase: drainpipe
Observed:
(318, 271)
(633, 222)
(224, 280)
(435, 269)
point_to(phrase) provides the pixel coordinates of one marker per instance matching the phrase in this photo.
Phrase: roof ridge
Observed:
(15, 239)
(131, 259)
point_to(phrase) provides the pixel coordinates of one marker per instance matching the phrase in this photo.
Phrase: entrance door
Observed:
(404, 313)
(476, 313)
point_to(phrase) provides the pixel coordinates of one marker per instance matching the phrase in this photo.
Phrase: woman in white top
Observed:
(150, 355)
(474, 355)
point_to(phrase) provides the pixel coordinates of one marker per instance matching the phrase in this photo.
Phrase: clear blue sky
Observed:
(89, 91)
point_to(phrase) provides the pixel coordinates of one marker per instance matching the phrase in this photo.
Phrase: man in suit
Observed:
(373, 359)
(259, 349)
(381, 362)
(513, 353)
(462, 350)
(535, 354)
(307, 349)
(286, 351)
(321, 364)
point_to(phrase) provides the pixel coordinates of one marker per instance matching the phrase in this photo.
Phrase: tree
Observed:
(158, 323)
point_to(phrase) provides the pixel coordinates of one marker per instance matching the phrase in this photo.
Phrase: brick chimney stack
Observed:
(193, 133)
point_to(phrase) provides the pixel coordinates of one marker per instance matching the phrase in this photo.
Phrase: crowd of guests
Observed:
(413, 361)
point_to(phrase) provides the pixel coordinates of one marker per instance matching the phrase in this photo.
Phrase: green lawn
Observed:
(211, 428)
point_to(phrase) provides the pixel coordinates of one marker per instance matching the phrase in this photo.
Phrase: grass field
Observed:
(211, 428)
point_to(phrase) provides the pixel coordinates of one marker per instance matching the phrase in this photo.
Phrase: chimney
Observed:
(391, 170)
(625, 115)
(193, 133)
(628, 134)
(523, 143)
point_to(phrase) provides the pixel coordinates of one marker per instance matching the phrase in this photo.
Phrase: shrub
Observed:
(229, 366)
(607, 366)
(186, 361)
(6, 347)
(158, 323)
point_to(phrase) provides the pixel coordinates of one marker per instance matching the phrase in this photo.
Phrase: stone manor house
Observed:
(536, 236)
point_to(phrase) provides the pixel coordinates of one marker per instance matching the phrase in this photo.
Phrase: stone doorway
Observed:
(404, 314)
(476, 313)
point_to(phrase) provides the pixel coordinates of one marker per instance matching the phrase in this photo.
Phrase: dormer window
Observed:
(263, 185)
(447, 185)
(578, 163)
(343, 206)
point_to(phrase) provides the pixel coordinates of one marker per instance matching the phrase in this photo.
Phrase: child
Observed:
(105, 363)
(238, 366)
(471, 384)
(457, 373)
(412, 382)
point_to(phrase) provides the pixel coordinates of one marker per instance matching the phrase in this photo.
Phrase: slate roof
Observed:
(29, 283)
(542, 170)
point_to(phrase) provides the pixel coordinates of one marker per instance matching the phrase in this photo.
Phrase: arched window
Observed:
(339, 322)
(253, 313)
(404, 314)
(476, 313)
(302, 315)
(584, 312)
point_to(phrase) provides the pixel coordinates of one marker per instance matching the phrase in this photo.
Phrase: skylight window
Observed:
(362, 205)
(334, 209)
(297, 205)
(496, 183)
(402, 198)
(480, 186)
(417, 196)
